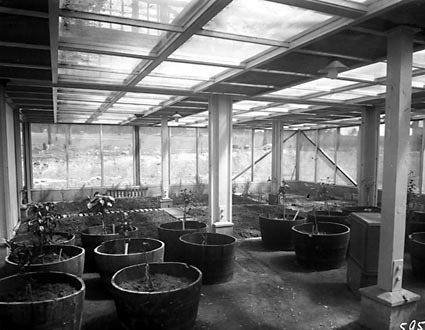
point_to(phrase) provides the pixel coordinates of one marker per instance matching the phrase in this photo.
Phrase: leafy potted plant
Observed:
(157, 295)
(327, 213)
(46, 211)
(275, 227)
(116, 254)
(39, 253)
(321, 245)
(93, 236)
(170, 232)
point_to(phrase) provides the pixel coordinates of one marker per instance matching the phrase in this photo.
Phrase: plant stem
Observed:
(113, 228)
(315, 223)
(296, 214)
(126, 247)
(147, 270)
(60, 254)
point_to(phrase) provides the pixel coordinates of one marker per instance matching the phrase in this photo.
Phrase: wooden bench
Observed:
(132, 192)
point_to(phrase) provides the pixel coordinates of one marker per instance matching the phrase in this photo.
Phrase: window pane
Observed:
(264, 19)
(307, 158)
(164, 11)
(262, 146)
(289, 155)
(84, 156)
(48, 156)
(241, 154)
(381, 154)
(182, 155)
(348, 152)
(117, 155)
(207, 49)
(203, 156)
(325, 169)
(150, 155)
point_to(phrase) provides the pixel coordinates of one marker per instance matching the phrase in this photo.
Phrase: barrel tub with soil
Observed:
(324, 249)
(276, 233)
(170, 232)
(157, 295)
(212, 253)
(93, 236)
(60, 258)
(114, 255)
(41, 300)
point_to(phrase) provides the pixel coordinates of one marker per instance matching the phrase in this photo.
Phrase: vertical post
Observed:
(102, 167)
(220, 163)
(197, 181)
(276, 175)
(165, 158)
(386, 305)
(316, 152)
(297, 156)
(27, 159)
(18, 156)
(421, 160)
(9, 207)
(337, 140)
(368, 161)
(67, 144)
(136, 156)
(252, 154)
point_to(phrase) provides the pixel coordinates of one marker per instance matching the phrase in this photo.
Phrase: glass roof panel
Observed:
(97, 62)
(343, 96)
(88, 76)
(164, 11)
(319, 85)
(208, 49)
(187, 70)
(370, 90)
(253, 114)
(166, 82)
(247, 105)
(368, 72)
(130, 108)
(115, 37)
(143, 98)
(265, 19)
(418, 81)
(419, 57)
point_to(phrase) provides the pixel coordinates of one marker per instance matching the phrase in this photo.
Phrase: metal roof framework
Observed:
(131, 62)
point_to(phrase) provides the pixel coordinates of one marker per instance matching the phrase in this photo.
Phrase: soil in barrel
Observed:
(159, 282)
(37, 291)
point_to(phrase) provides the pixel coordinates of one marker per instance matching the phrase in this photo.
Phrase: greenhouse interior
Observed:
(212, 164)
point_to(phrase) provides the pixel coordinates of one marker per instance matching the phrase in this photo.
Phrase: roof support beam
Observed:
(54, 36)
(332, 7)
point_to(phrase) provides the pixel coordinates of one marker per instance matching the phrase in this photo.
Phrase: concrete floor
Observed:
(269, 291)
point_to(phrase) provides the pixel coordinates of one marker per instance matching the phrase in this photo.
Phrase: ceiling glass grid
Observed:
(224, 39)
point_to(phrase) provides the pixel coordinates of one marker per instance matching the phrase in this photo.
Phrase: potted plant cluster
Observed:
(46, 292)
(276, 233)
(39, 251)
(93, 236)
(170, 232)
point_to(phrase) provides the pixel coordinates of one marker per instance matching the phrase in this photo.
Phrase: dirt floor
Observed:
(269, 289)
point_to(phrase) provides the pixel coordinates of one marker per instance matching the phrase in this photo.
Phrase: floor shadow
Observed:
(288, 262)
(252, 244)
(352, 326)
(95, 289)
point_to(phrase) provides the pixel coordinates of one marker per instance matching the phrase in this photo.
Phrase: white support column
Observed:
(277, 128)
(165, 163)
(9, 206)
(369, 153)
(386, 305)
(220, 163)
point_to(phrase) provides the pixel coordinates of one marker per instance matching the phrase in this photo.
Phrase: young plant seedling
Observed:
(187, 201)
(99, 204)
